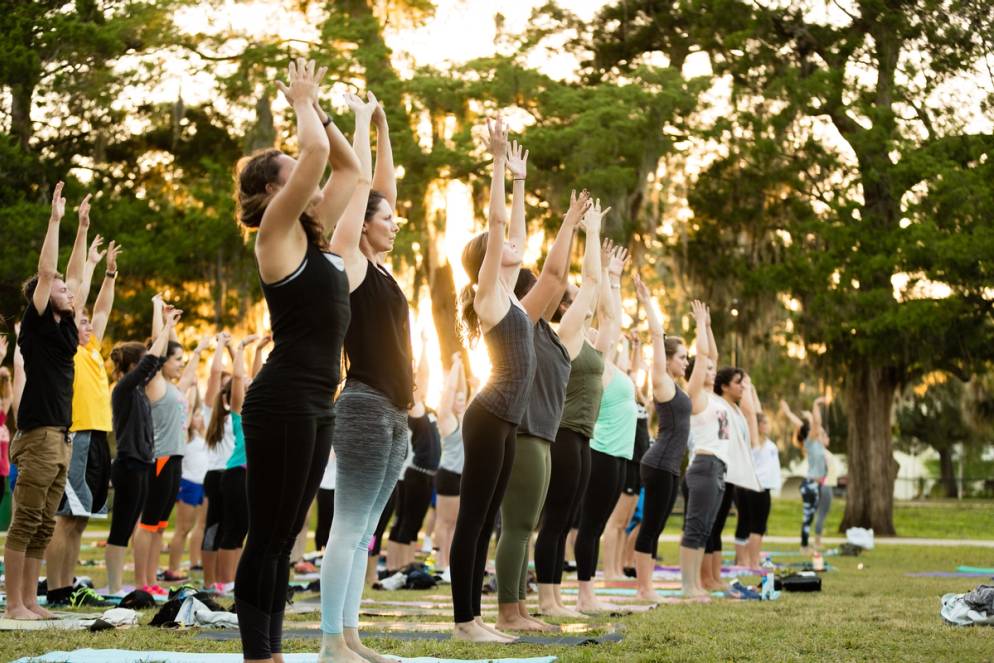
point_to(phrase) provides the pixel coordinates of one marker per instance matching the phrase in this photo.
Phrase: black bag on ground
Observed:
(137, 600)
(798, 582)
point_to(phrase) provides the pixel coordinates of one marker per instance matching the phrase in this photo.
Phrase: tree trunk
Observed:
(947, 473)
(869, 393)
(20, 114)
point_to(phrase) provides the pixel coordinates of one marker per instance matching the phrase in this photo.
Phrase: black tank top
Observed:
(378, 342)
(511, 346)
(667, 452)
(309, 313)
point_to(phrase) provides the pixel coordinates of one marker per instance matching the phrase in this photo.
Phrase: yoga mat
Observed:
(975, 569)
(125, 656)
(946, 574)
(289, 634)
(615, 591)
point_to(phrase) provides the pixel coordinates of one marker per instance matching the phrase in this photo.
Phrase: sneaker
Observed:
(197, 567)
(426, 547)
(304, 567)
(446, 576)
(86, 596)
(169, 576)
(155, 590)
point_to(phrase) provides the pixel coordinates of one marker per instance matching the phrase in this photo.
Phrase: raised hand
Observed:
(203, 343)
(265, 340)
(95, 255)
(113, 251)
(497, 141)
(222, 339)
(380, 116)
(642, 290)
(700, 312)
(172, 315)
(578, 206)
(517, 160)
(607, 246)
(364, 110)
(84, 211)
(248, 340)
(619, 256)
(58, 204)
(304, 78)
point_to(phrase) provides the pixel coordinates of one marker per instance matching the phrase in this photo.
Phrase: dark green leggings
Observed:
(519, 514)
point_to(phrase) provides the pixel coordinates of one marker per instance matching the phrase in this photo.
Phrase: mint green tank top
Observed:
(614, 432)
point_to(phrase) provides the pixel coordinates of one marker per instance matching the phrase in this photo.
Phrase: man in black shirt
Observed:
(41, 448)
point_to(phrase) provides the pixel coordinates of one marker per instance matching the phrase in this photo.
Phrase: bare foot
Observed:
(559, 611)
(40, 611)
(335, 650)
(651, 595)
(542, 626)
(517, 624)
(473, 632)
(697, 595)
(594, 606)
(21, 613)
(716, 586)
(353, 642)
(486, 627)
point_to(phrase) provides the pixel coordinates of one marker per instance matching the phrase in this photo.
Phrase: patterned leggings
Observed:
(809, 493)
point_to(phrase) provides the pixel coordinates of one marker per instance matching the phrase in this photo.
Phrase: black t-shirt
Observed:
(425, 441)
(49, 349)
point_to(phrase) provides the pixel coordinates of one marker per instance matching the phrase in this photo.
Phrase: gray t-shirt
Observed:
(817, 465)
(452, 452)
(548, 392)
(666, 453)
(169, 423)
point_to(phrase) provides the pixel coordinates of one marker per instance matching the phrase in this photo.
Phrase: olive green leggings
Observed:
(519, 514)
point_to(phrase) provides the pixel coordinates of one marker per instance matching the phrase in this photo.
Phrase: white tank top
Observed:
(711, 430)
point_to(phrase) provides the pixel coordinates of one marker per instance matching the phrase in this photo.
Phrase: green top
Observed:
(614, 432)
(583, 391)
(237, 458)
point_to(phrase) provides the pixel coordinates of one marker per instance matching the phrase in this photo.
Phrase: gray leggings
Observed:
(824, 504)
(705, 489)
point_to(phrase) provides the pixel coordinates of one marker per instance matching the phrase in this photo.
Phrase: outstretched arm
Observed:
(556, 268)
(695, 385)
(712, 346)
(748, 407)
(385, 176)
(189, 377)
(48, 260)
(817, 430)
(77, 259)
(19, 377)
(663, 386)
(105, 298)
(421, 377)
(577, 317)
(238, 374)
(446, 419)
(348, 232)
(217, 368)
(609, 329)
(93, 258)
(257, 359)
(344, 164)
(487, 287)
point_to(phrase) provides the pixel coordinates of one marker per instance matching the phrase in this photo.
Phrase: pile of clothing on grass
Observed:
(976, 607)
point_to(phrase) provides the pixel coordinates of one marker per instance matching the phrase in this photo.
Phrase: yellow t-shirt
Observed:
(90, 390)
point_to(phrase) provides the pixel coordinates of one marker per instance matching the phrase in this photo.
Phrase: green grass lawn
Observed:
(876, 613)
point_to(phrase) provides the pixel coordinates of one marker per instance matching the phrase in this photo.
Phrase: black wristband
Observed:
(110, 275)
(326, 121)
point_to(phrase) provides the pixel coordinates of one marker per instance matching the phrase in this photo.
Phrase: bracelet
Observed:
(518, 179)
(616, 286)
(110, 275)
(326, 121)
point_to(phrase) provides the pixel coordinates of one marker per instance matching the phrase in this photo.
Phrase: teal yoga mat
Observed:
(126, 656)
(975, 569)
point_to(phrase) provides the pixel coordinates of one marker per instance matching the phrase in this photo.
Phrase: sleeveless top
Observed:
(452, 452)
(169, 423)
(667, 451)
(614, 431)
(642, 439)
(817, 465)
(309, 313)
(583, 391)
(378, 341)
(548, 393)
(511, 348)
(712, 428)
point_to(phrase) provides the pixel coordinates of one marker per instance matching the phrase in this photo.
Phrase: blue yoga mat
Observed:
(126, 656)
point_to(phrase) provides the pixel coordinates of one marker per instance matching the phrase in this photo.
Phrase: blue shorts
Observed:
(191, 493)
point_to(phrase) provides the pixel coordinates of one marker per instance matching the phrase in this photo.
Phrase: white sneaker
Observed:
(394, 582)
(426, 547)
(446, 577)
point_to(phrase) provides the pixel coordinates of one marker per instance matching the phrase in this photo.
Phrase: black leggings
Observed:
(131, 479)
(714, 540)
(753, 507)
(163, 489)
(607, 473)
(488, 443)
(413, 500)
(215, 511)
(567, 484)
(235, 516)
(661, 488)
(326, 514)
(286, 460)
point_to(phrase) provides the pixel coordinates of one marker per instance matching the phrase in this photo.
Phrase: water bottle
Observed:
(768, 587)
(818, 562)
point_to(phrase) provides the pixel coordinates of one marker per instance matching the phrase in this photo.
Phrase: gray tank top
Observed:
(452, 453)
(169, 423)
(548, 393)
(666, 453)
(511, 348)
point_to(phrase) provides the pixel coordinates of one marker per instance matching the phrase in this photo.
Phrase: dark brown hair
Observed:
(219, 412)
(672, 344)
(472, 260)
(28, 287)
(373, 204)
(253, 174)
(126, 355)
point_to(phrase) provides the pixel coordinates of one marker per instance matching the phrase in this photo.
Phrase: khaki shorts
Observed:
(42, 458)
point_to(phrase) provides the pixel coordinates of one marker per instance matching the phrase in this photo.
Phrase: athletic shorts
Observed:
(447, 483)
(191, 493)
(162, 492)
(89, 476)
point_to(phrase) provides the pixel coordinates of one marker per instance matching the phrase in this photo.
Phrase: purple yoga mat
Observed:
(947, 574)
